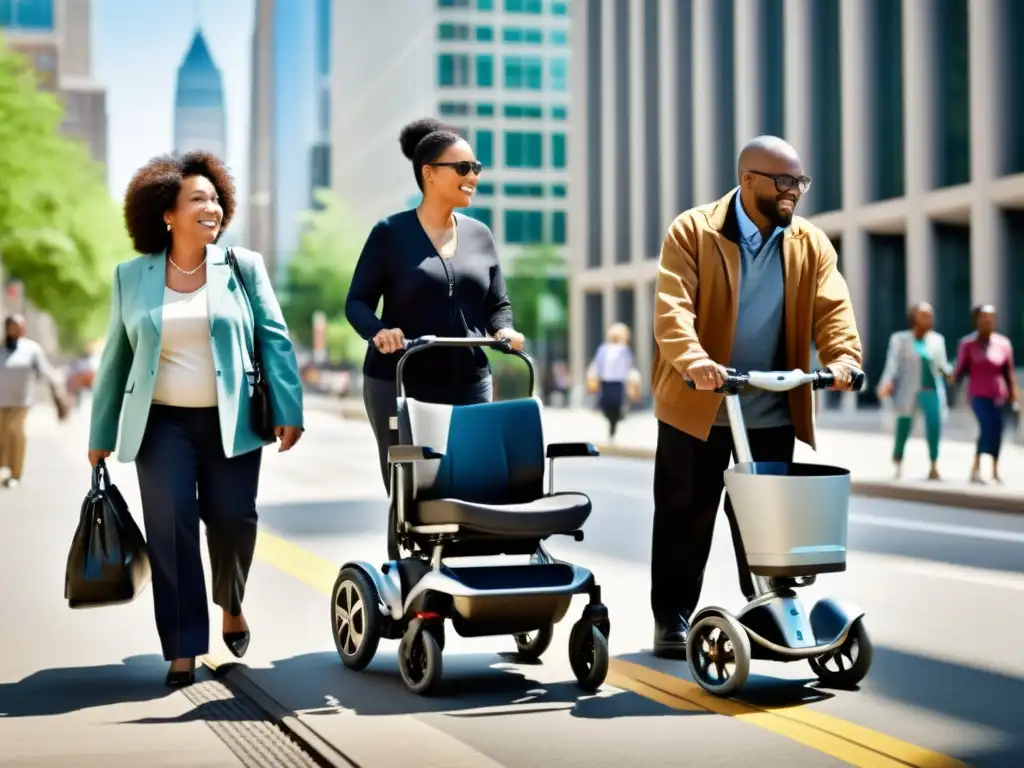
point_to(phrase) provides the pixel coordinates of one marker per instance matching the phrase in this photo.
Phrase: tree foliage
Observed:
(60, 232)
(319, 276)
(537, 287)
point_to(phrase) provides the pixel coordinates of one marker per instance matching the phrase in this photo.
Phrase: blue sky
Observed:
(137, 48)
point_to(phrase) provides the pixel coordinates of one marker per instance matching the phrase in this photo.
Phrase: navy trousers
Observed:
(184, 477)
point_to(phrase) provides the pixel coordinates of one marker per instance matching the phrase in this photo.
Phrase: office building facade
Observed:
(497, 70)
(908, 115)
(199, 111)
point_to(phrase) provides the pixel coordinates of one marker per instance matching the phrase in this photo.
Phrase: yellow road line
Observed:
(832, 736)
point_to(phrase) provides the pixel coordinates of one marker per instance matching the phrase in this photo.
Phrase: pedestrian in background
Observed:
(439, 274)
(178, 362)
(613, 376)
(786, 291)
(914, 379)
(22, 364)
(986, 359)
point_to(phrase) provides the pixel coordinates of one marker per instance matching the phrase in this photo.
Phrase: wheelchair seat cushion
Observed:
(548, 515)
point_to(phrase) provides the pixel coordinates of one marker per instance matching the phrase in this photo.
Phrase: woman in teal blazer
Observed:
(176, 372)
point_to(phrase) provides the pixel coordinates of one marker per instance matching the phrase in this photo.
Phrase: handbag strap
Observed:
(257, 357)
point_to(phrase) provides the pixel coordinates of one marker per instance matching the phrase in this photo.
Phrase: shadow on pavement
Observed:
(317, 684)
(326, 518)
(70, 689)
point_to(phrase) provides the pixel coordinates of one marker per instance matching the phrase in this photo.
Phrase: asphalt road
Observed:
(943, 590)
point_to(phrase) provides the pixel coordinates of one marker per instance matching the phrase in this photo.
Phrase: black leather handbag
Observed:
(261, 413)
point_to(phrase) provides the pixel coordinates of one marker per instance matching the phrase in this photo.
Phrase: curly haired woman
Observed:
(178, 364)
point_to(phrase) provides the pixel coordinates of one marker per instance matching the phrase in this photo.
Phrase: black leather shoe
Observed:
(237, 642)
(181, 678)
(670, 638)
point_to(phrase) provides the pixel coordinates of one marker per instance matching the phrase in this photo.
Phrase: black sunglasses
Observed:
(462, 167)
(786, 183)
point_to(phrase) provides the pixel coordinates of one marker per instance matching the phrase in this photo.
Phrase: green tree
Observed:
(60, 233)
(537, 287)
(319, 275)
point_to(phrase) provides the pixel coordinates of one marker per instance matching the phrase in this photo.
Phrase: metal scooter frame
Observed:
(776, 608)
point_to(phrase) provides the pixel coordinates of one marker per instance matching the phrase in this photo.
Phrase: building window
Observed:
(453, 3)
(485, 110)
(452, 70)
(453, 31)
(524, 149)
(559, 190)
(485, 148)
(559, 9)
(485, 189)
(524, 227)
(485, 5)
(887, 77)
(593, 320)
(951, 251)
(559, 75)
(524, 190)
(524, 72)
(524, 6)
(559, 37)
(558, 227)
(485, 70)
(485, 34)
(558, 150)
(559, 113)
(485, 215)
(953, 110)
(26, 14)
(523, 111)
(453, 108)
(826, 111)
(531, 36)
(1012, 154)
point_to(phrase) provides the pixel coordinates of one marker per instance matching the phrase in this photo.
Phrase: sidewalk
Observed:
(84, 688)
(867, 454)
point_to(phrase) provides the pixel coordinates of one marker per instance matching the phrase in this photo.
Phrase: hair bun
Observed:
(416, 131)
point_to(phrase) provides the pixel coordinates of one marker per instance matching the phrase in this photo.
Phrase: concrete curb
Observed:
(943, 497)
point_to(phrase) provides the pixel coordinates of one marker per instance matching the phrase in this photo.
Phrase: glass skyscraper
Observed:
(199, 113)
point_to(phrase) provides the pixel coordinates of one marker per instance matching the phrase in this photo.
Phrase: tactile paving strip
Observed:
(244, 728)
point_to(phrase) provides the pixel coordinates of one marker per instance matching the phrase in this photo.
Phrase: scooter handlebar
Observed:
(781, 381)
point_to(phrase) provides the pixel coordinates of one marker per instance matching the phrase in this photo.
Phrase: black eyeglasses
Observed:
(786, 183)
(462, 167)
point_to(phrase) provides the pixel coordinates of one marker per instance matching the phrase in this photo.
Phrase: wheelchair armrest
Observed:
(407, 454)
(571, 450)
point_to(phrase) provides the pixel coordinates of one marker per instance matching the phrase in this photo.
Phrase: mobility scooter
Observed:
(792, 521)
(468, 481)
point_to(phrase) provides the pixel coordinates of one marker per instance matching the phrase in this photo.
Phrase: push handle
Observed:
(421, 343)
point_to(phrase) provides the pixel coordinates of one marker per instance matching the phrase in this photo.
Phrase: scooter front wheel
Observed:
(848, 664)
(718, 654)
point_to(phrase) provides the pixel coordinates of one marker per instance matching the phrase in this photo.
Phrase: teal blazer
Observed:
(123, 388)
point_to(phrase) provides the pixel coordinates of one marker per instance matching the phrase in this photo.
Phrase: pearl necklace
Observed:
(186, 271)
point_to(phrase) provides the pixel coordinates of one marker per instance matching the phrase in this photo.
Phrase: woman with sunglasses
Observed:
(439, 274)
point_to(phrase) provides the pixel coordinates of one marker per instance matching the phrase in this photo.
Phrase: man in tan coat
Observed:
(742, 283)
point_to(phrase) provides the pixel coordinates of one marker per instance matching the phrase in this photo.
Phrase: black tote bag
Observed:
(108, 563)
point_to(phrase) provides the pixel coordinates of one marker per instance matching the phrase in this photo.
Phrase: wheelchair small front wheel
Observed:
(718, 654)
(588, 655)
(419, 660)
(531, 645)
(356, 621)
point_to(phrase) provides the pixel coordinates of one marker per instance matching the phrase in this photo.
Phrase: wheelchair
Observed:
(468, 482)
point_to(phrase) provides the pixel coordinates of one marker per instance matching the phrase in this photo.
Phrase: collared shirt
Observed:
(759, 320)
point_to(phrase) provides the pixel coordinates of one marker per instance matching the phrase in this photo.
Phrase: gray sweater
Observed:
(20, 369)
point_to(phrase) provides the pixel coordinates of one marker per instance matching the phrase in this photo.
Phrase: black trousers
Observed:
(688, 485)
(380, 396)
(184, 477)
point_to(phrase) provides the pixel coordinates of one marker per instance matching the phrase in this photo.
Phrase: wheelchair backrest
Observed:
(493, 452)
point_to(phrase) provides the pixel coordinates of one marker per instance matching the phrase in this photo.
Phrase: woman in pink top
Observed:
(986, 358)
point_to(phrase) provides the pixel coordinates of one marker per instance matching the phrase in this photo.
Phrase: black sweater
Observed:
(424, 295)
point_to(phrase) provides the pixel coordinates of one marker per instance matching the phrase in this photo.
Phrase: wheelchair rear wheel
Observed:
(531, 645)
(356, 623)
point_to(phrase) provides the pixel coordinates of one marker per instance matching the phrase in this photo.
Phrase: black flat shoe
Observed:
(237, 642)
(181, 678)
(670, 639)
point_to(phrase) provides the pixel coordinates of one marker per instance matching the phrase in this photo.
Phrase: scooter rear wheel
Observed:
(718, 654)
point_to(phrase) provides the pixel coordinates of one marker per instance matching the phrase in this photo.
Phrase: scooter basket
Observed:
(792, 517)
